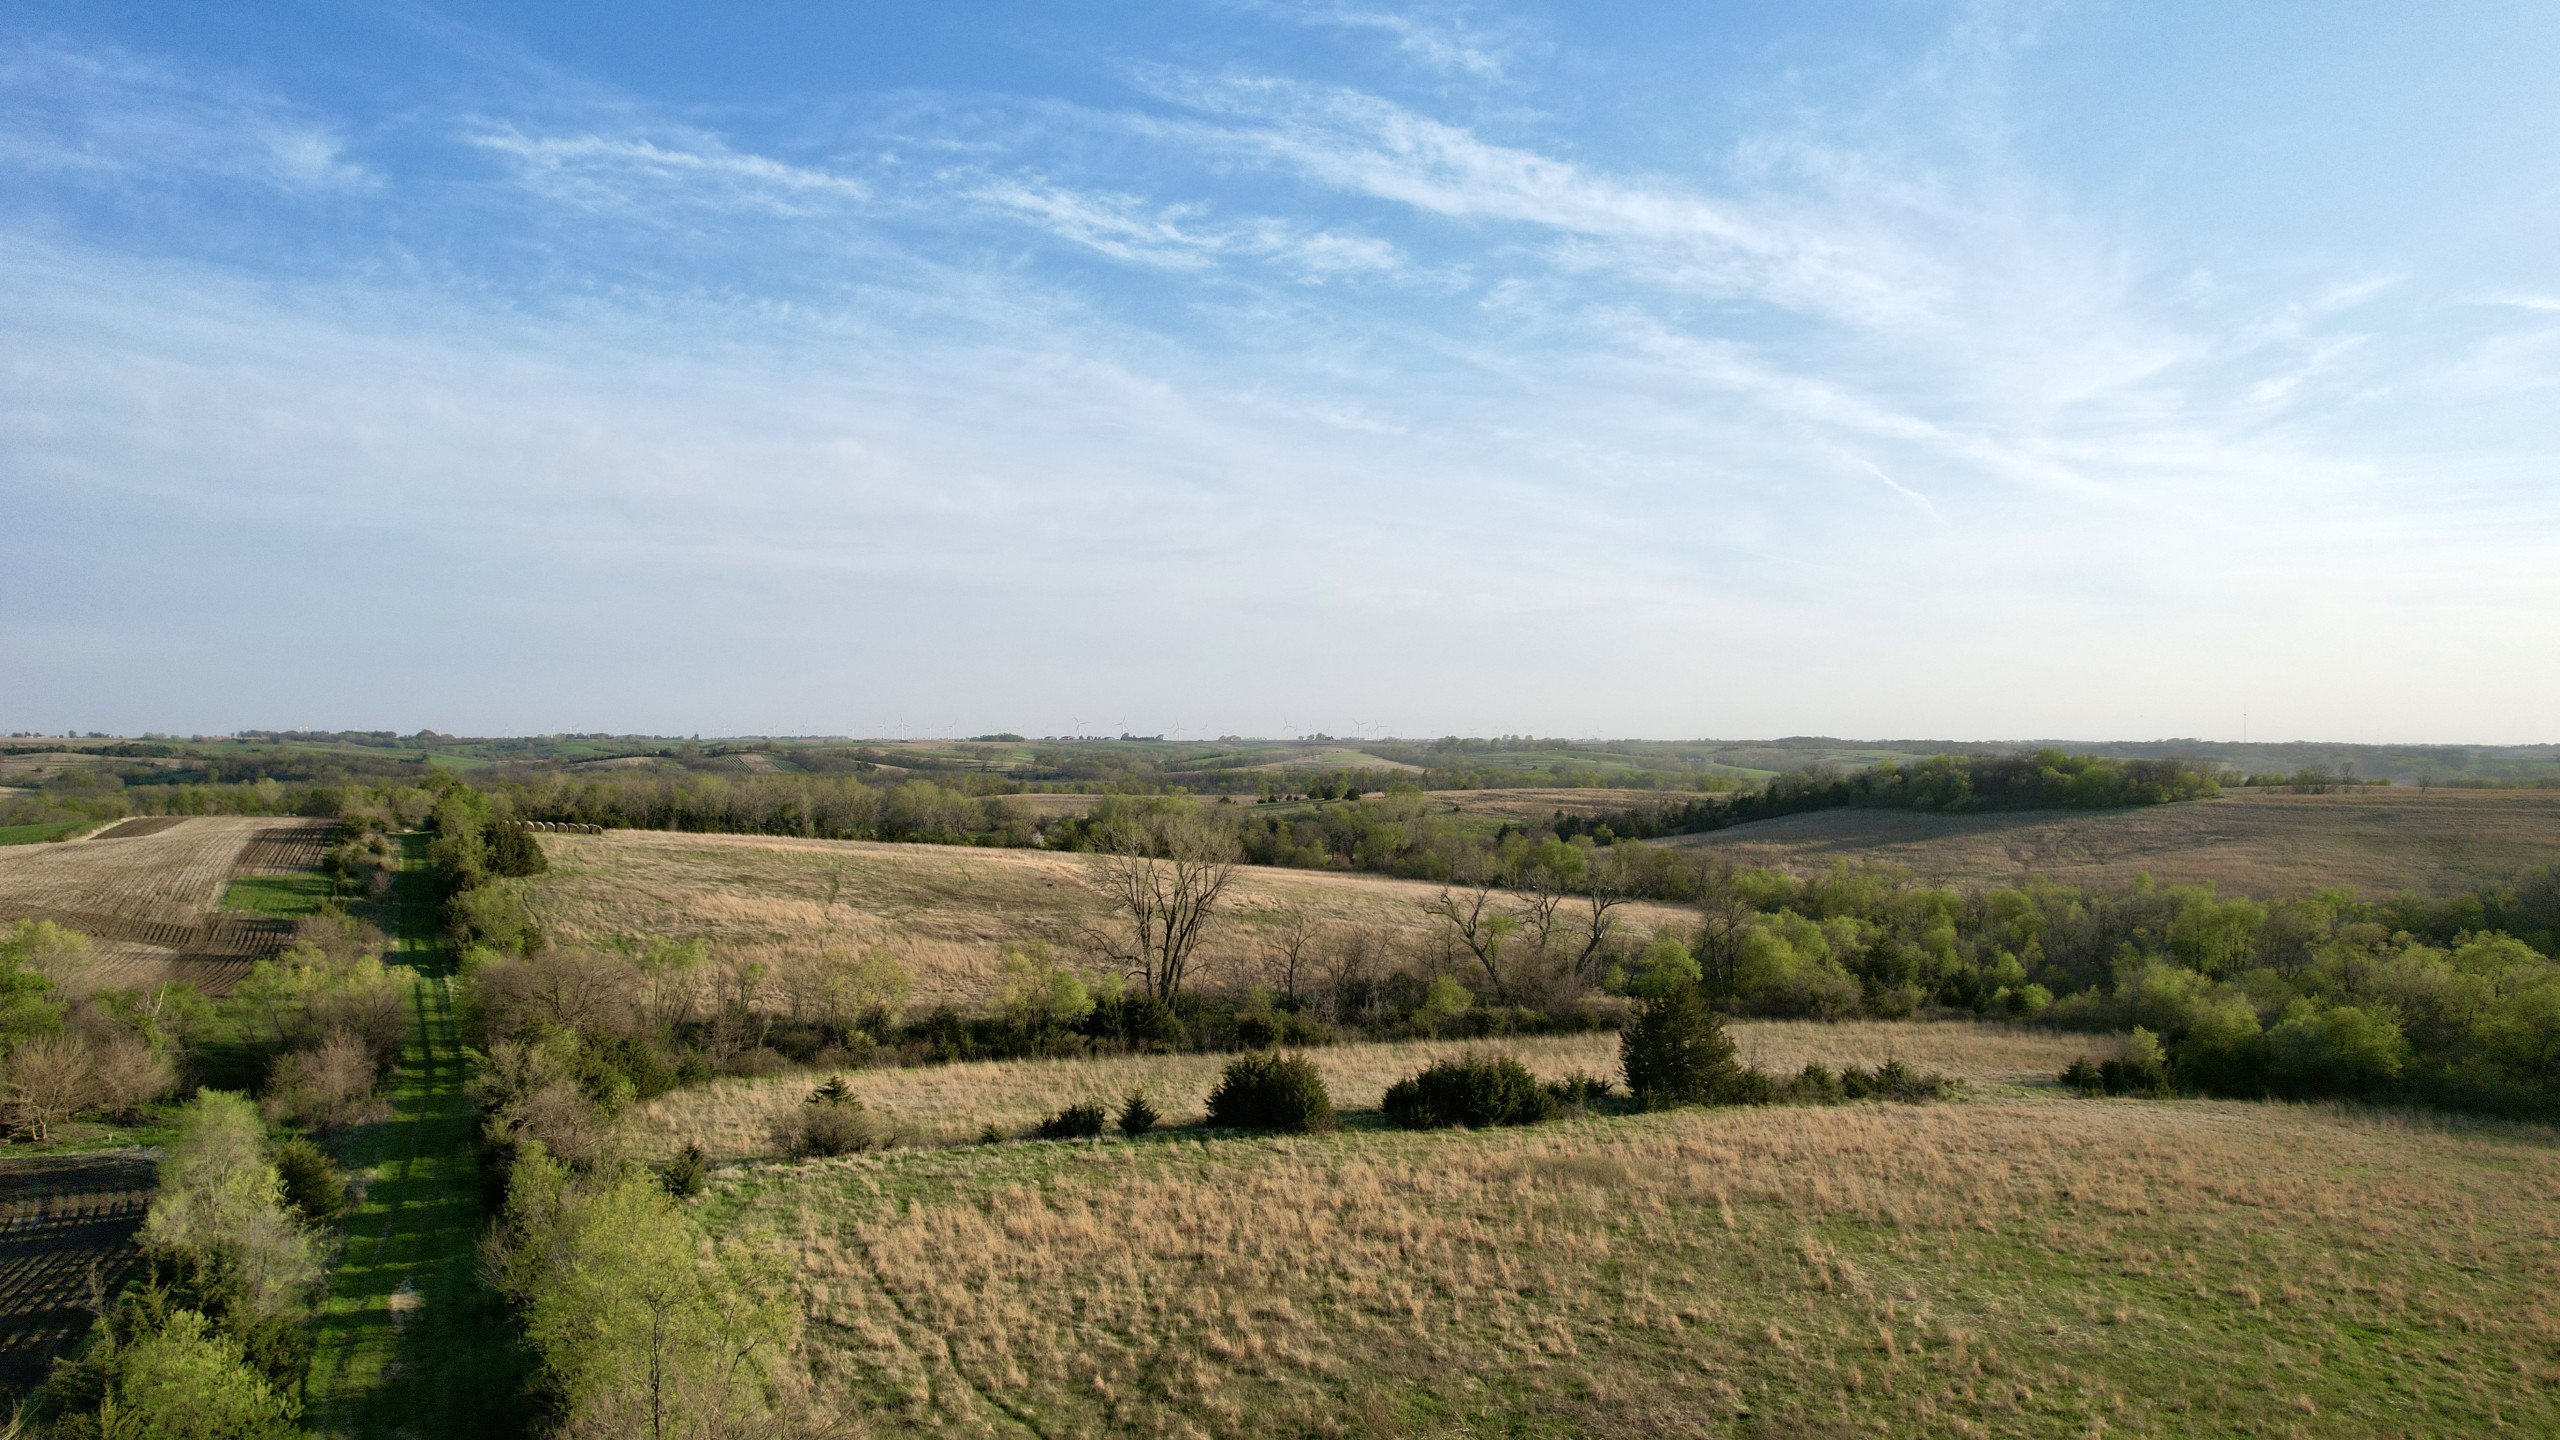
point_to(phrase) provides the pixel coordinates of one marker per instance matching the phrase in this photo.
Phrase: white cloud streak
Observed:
(110, 116)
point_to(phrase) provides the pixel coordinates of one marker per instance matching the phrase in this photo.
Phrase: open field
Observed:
(42, 831)
(1539, 806)
(2034, 1268)
(62, 1218)
(2372, 841)
(150, 893)
(950, 1104)
(942, 910)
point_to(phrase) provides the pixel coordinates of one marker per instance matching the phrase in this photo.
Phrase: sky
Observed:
(2100, 370)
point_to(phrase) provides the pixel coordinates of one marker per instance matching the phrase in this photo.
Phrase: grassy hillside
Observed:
(947, 1104)
(941, 909)
(2372, 841)
(2037, 1268)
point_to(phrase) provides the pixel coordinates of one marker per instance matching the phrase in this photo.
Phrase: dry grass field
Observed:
(2257, 842)
(147, 891)
(942, 910)
(950, 1104)
(2053, 1268)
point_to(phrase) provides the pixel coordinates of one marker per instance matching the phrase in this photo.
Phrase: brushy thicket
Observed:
(1477, 1091)
(833, 1122)
(1271, 1092)
(1081, 1121)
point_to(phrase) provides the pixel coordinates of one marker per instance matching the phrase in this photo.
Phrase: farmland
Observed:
(2370, 841)
(941, 911)
(2048, 1267)
(66, 1232)
(150, 893)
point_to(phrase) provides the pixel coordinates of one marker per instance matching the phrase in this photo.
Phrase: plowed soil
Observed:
(67, 1228)
(146, 891)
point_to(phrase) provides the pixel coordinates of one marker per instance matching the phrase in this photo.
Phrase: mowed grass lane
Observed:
(410, 1342)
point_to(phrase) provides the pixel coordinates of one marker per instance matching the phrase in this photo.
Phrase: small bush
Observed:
(1080, 1121)
(833, 1091)
(1476, 1091)
(1816, 1085)
(1891, 1080)
(1137, 1116)
(2082, 1078)
(831, 1127)
(313, 1183)
(988, 1134)
(1579, 1091)
(1271, 1092)
(686, 1172)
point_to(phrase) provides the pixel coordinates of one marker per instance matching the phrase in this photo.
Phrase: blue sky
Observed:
(1995, 371)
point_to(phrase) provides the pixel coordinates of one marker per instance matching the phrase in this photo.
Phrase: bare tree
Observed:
(1471, 920)
(1350, 960)
(1725, 916)
(1604, 889)
(46, 1081)
(1164, 875)
(1292, 942)
(1541, 901)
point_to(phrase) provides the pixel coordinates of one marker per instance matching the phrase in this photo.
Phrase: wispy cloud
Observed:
(1445, 40)
(1182, 237)
(637, 170)
(109, 115)
(856, 383)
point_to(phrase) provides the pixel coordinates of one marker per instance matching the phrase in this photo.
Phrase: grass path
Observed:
(410, 1343)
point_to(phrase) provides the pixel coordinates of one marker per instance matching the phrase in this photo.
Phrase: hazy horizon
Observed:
(1238, 367)
(1312, 738)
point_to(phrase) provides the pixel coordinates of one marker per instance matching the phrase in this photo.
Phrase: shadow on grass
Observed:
(410, 1342)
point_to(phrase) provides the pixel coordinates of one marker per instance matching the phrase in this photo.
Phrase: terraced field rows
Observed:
(62, 1219)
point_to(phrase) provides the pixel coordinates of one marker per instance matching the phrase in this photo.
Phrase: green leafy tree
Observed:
(637, 1333)
(1663, 966)
(182, 1380)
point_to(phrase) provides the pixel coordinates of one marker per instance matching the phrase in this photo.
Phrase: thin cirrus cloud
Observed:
(110, 115)
(695, 166)
(1846, 425)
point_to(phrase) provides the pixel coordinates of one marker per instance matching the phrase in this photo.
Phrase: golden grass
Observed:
(942, 910)
(2375, 842)
(2049, 1268)
(944, 1104)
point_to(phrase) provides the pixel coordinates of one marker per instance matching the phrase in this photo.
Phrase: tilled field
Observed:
(146, 891)
(67, 1227)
